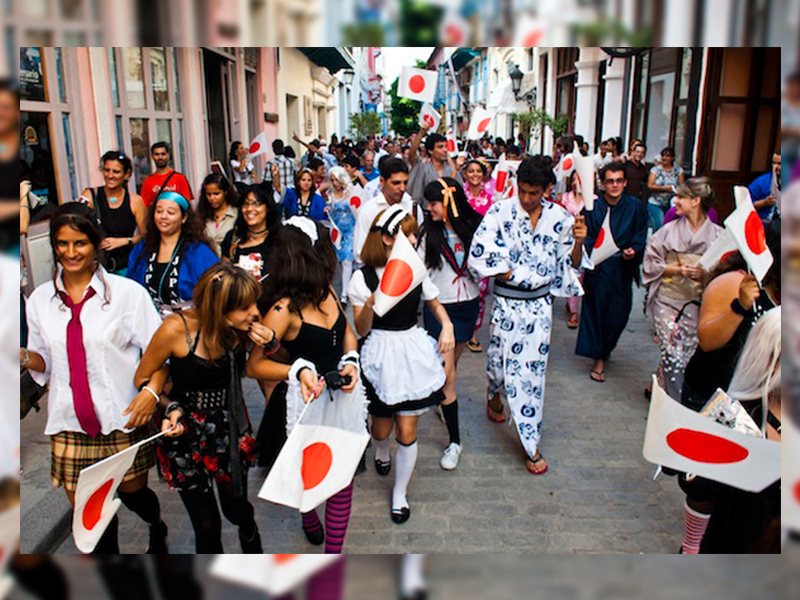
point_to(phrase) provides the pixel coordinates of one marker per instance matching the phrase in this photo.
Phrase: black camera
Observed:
(336, 381)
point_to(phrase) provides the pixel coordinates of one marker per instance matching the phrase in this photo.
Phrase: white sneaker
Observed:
(450, 458)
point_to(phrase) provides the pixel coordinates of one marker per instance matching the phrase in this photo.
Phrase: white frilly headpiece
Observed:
(306, 225)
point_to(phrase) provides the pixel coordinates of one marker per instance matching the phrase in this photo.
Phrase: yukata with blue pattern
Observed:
(520, 329)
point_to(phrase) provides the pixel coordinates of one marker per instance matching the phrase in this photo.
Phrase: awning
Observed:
(462, 56)
(331, 58)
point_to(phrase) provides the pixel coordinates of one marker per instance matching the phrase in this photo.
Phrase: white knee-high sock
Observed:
(411, 578)
(347, 273)
(406, 459)
(382, 450)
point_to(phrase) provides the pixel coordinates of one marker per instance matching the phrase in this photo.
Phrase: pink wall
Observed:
(86, 134)
(268, 92)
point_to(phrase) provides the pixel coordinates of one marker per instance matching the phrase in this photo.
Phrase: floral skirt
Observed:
(194, 460)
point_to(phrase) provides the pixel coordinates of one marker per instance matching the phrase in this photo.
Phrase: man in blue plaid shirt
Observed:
(287, 168)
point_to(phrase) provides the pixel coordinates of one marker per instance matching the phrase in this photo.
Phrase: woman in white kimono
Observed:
(674, 279)
(529, 245)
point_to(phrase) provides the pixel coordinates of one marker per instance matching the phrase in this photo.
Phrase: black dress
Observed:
(115, 223)
(259, 255)
(324, 348)
(194, 460)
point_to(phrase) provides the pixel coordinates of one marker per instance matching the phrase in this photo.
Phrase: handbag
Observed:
(30, 393)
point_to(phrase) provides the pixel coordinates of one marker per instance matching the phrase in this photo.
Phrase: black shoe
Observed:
(315, 538)
(158, 539)
(251, 545)
(383, 468)
(418, 595)
(648, 394)
(401, 515)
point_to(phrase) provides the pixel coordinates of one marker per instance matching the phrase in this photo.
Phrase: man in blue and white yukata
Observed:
(529, 245)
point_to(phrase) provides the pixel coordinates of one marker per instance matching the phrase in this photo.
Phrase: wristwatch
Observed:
(130, 241)
(740, 310)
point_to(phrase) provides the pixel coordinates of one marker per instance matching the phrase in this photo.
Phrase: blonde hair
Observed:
(340, 175)
(375, 253)
(697, 187)
(758, 372)
(222, 289)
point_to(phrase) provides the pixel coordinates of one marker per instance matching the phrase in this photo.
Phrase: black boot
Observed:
(251, 544)
(158, 539)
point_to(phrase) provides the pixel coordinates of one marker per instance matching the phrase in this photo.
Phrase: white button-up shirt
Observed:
(115, 335)
(370, 210)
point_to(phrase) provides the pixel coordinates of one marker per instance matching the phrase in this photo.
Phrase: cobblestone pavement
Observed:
(598, 497)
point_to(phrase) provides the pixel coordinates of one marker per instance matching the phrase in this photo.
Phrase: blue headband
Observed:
(176, 198)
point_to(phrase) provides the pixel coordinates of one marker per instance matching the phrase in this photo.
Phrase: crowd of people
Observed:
(161, 303)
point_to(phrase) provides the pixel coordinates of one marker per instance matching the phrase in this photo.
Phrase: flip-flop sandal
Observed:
(493, 414)
(474, 347)
(599, 375)
(573, 322)
(535, 462)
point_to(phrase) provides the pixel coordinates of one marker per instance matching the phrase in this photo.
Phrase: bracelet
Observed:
(26, 359)
(144, 384)
(28, 206)
(271, 347)
(301, 370)
(153, 392)
(174, 406)
(740, 310)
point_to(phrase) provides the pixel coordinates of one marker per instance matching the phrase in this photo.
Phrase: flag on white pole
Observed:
(584, 165)
(430, 117)
(323, 449)
(418, 84)
(529, 32)
(357, 197)
(719, 250)
(275, 574)
(404, 272)
(500, 176)
(455, 30)
(336, 235)
(604, 246)
(95, 505)
(259, 145)
(452, 141)
(565, 167)
(680, 438)
(747, 229)
(479, 125)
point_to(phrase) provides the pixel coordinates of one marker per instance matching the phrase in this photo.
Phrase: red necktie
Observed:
(78, 374)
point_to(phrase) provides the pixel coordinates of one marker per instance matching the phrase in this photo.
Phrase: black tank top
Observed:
(404, 315)
(199, 383)
(708, 371)
(323, 347)
(116, 223)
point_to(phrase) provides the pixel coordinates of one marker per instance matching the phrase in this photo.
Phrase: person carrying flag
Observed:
(533, 249)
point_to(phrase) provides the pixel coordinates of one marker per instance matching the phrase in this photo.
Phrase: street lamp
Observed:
(516, 78)
(348, 78)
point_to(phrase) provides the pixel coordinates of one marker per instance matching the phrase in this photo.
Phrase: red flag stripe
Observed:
(93, 509)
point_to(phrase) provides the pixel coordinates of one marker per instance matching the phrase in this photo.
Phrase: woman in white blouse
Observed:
(241, 167)
(87, 330)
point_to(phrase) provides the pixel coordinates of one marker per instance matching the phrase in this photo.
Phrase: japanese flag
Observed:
(323, 449)
(529, 32)
(95, 504)
(404, 272)
(748, 231)
(259, 145)
(455, 30)
(719, 250)
(452, 141)
(430, 117)
(604, 246)
(479, 125)
(418, 84)
(336, 235)
(682, 439)
(357, 197)
(275, 574)
(584, 165)
(790, 475)
(501, 176)
(565, 167)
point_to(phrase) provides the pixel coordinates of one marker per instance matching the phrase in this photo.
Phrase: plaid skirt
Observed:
(74, 451)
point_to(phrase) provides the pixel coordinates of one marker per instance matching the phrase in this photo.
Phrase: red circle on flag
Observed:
(451, 146)
(567, 164)
(416, 84)
(727, 255)
(255, 148)
(334, 234)
(601, 237)
(284, 558)
(797, 492)
(705, 447)
(532, 39)
(754, 233)
(453, 34)
(428, 120)
(317, 460)
(397, 278)
(483, 125)
(93, 509)
(355, 202)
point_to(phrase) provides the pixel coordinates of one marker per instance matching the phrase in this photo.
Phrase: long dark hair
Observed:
(232, 152)
(223, 183)
(80, 218)
(298, 270)
(735, 261)
(465, 224)
(193, 231)
(263, 193)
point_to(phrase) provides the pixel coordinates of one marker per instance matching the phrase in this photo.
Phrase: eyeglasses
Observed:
(614, 181)
(251, 205)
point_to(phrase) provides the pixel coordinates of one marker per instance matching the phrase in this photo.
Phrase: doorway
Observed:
(217, 73)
